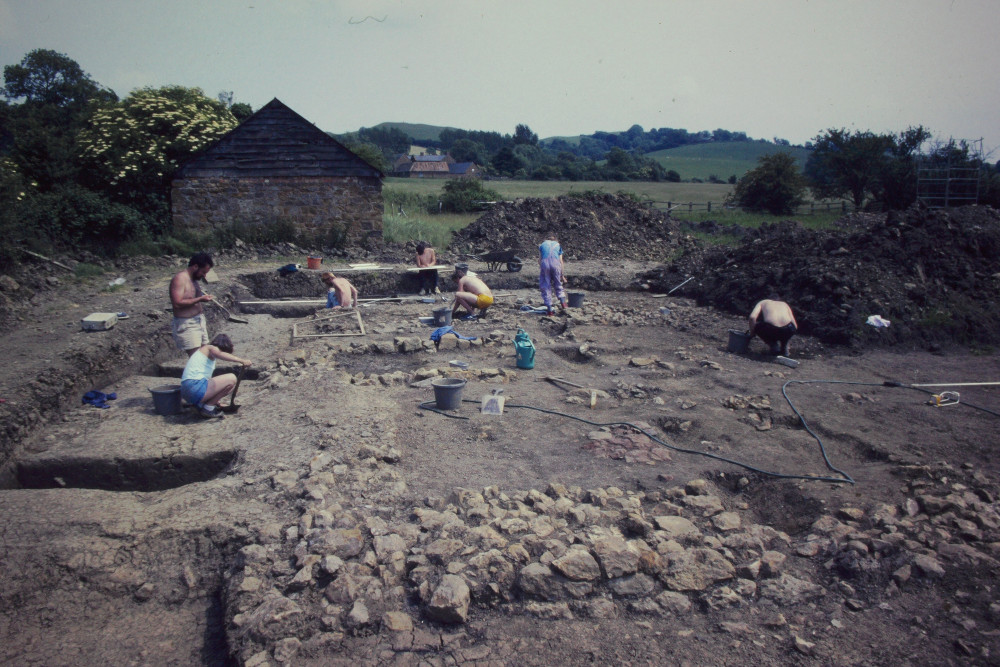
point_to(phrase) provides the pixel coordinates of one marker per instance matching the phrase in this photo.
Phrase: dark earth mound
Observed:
(596, 226)
(933, 274)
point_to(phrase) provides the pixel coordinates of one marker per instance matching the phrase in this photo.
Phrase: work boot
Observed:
(550, 312)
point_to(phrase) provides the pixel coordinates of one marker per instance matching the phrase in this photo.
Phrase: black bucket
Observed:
(448, 393)
(575, 299)
(739, 341)
(166, 399)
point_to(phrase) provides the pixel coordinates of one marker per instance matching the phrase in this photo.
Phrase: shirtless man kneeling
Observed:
(341, 293)
(471, 293)
(774, 322)
(189, 328)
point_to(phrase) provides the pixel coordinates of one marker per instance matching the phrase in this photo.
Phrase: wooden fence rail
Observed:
(806, 209)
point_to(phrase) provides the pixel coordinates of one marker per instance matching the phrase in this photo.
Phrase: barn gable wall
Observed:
(316, 206)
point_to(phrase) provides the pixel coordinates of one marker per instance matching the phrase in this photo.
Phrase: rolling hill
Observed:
(721, 159)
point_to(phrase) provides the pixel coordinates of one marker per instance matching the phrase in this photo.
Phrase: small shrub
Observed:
(84, 270)
(463, 195)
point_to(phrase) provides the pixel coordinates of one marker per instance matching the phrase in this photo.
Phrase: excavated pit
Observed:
(145, 474)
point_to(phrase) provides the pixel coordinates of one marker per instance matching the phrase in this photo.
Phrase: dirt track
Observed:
(328, 536)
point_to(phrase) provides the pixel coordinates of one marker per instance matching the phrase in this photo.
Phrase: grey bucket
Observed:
(448, 393)
(738, 341)
(575, 299)
(166, 399)
(442, 317)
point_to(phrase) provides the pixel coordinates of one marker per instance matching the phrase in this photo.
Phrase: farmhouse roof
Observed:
(276, 142)
(463, 167)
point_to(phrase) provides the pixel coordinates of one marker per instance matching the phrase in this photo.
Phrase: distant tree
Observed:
(897, 183)
(466, 150)
(370, 153)
(524, 135)
(846, 164)
(49, 77)
(732, 179)
(506, 162)
(241, 111)
(774, 185)
(673, 177)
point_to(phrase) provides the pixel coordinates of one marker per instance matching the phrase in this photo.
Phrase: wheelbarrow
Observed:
(497, 258)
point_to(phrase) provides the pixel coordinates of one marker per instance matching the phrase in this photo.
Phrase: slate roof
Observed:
(276, 142)
(463, 167)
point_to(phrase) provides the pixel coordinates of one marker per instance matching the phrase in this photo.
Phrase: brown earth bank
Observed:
(336, 519)
(933, 274)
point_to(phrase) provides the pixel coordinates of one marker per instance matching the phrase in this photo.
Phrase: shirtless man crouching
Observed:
(189, 328)
(775, 323)
(471, 293)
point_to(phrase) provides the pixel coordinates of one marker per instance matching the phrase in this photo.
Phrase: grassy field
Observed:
(722, 159)
(414, 222)
(652, 192)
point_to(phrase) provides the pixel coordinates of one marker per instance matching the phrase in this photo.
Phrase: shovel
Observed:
(229, 315)
(232, 407)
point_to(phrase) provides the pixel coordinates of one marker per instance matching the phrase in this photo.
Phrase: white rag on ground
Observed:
(878, 322)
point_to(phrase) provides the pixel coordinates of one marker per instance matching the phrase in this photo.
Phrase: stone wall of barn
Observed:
(315, 205)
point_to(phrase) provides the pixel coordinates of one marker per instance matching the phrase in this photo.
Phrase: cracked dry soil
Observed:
(341, 514)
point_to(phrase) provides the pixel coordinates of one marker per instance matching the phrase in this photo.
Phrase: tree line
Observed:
(82, 168)
(871, 170)
(601, 156)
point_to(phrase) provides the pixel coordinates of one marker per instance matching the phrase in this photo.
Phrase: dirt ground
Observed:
(334, 520)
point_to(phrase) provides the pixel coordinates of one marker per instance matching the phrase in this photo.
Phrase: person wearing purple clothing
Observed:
(550, 274)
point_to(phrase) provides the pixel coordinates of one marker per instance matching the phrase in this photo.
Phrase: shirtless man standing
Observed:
(428, 277)
(342, 294)
(189, 328)
(471, 293)
(774, 322)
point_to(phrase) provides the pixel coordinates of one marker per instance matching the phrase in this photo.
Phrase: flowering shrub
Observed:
(133, 147)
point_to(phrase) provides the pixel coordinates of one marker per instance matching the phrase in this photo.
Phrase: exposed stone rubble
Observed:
(352, 567)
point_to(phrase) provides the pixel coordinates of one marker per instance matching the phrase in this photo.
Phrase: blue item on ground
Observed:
(438, 333)
(99, 399)
(288, 269)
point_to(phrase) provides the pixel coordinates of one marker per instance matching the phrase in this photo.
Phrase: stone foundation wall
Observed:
(315, 205)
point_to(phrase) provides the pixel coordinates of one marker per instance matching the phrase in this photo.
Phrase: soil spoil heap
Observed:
(594, 226)
(933, 274)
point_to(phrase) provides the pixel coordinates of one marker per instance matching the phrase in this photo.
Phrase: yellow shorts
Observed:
(484, 301)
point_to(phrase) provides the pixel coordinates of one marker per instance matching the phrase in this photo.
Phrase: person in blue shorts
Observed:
(198, 387)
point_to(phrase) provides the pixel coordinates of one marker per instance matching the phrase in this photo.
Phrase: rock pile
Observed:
(932, 274)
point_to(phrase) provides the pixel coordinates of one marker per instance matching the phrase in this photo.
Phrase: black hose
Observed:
(844, 479)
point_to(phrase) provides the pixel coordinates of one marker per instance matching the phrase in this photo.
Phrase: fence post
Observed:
(843, 207)
(709, 207)
(670, 205)
(690, 207)
(812, 208)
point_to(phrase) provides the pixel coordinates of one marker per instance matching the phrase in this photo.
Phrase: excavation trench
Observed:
(145, 474)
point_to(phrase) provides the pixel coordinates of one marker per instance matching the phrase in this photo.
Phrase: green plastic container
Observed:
(524, 350)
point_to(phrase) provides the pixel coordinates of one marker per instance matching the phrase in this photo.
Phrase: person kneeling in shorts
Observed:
(775, 323)
(198, 387)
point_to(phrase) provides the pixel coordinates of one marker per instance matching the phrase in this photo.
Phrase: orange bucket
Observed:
(313, 262)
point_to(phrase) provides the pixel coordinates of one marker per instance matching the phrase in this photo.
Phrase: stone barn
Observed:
(278, 168)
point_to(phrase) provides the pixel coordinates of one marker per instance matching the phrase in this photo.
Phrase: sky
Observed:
(770, 68)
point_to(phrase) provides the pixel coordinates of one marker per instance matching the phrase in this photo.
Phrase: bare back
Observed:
(776, 313)
(427, 258)
(473, 285)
